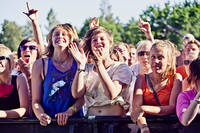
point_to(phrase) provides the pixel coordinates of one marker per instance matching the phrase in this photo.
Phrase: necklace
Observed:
(63, 64)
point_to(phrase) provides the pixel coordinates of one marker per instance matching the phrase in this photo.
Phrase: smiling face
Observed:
(29, 52)
(123, 51)
(143, 56)
(159, 59)
(191, 49)
(101, 42)
(60, 38)
(5, 60)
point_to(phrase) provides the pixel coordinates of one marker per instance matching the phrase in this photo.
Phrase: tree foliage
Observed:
(51, 18)
(11, 35)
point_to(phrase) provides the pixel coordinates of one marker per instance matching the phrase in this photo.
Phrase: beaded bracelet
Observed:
(73, 108)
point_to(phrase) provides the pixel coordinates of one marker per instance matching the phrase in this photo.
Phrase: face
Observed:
(124, 51)
(158, 60)
(4, 63)
(101, 42)
(191, 50)
(29, 52)
(143, 56)
(133, 57)
(188, 59)
(60, 38)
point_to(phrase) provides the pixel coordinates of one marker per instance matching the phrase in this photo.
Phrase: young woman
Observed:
(104, 83)
(52, 78)
(188, 102)
(156, 92)
(14, 98)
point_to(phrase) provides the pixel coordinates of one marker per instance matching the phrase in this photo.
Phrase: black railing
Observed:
(169, 124)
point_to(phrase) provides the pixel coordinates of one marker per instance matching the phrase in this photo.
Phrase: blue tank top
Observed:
(57, 96)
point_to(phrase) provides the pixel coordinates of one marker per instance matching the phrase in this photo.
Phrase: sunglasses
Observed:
(187, 62)
(142, 53)
(4, 57)
(31, 47)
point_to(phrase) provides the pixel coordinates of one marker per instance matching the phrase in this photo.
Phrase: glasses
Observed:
(142, 53)
(187, 62)
(4, 57)
(31, 47)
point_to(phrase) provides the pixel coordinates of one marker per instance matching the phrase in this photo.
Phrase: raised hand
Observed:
(24, 67)
(144, 26)
(98, 54)
(32, 13)
(94, 22)
(79, 56)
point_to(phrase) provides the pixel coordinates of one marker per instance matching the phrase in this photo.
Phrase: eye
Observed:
(102, 38)
(153, 57)
(160, 57)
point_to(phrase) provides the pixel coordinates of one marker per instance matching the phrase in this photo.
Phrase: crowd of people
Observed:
(92, 76)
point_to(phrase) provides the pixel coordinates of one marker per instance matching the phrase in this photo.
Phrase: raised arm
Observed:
(23, 110)
(36, 83)
(146, 28)
(78, 88)
(33, 16)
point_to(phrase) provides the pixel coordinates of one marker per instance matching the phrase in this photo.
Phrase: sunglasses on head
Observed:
(187, 62)
(4, 57)
(31, 47)
(142, 53)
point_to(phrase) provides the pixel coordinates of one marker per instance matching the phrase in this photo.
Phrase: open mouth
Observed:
(27, 56)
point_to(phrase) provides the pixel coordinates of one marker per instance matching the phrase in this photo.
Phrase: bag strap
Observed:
(147, 79)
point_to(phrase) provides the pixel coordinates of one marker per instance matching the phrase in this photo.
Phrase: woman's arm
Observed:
(36, 83)
(169, 109)
(78, 88)
(33, 16)
(22, 87)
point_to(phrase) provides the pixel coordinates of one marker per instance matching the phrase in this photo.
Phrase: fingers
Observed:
(27, 6)
(62, 118)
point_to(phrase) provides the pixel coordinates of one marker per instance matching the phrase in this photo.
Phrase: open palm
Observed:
(79, 56)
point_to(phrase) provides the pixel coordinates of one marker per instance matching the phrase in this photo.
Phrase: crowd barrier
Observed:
(99, 124)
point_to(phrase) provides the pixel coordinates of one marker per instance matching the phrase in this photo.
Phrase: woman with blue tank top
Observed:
(52, 78)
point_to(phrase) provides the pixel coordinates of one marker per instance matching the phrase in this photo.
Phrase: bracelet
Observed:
(80, 70)
(197, 101)
(73, 108)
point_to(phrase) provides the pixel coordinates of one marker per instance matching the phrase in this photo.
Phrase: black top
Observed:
(10, 101)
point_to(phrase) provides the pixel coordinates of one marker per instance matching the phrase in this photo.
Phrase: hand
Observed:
(94, 22)
(63, 117)
(44, 119)
(79, 56)
(136, 113)
(32, 13)
(144, 26)
(24, 67)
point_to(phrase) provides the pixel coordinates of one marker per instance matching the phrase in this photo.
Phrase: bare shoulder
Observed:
(39, 63)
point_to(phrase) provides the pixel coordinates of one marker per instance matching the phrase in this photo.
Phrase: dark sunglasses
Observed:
(31, 47)
(142, 53)
(4, 57)
(187, 62)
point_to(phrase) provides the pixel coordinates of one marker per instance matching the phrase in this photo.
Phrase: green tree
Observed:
(173, 21)
(28, 30)
(52, 21)
(11, 35)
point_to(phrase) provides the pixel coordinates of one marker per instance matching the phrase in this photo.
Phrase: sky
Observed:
(74, 11)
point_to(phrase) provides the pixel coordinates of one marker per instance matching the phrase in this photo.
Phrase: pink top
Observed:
(183, 102)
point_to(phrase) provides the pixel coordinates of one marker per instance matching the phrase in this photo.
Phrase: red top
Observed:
(163, 94)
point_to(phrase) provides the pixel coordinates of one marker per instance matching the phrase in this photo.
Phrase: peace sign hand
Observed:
(144, 26)
(32, 13)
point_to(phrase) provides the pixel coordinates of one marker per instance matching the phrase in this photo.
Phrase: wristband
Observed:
(197, 101)
(73, 108)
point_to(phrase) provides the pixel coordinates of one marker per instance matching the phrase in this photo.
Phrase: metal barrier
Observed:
(169, 124)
